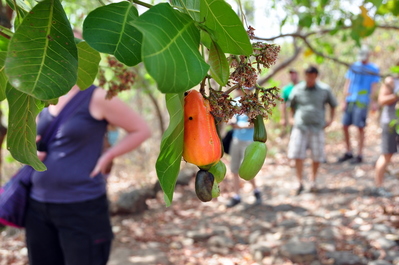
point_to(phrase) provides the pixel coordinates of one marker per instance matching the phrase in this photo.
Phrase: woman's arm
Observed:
(386, 95)
(117, 113)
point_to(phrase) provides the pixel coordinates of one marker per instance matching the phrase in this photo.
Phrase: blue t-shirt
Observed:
(245, 134)
(361, 79)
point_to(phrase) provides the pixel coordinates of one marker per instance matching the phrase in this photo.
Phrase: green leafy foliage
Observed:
(190, 7)
(21, 136)
(88, 64)
(230, 34)
(42, 56)
(3, 77)
(170, 48)
(220, 70)
(108, 30)
(169, 159)
(42, 62)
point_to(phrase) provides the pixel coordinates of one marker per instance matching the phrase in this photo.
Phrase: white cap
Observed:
(364, 53)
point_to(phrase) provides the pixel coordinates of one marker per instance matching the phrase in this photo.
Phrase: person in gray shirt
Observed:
(307, 102)
(388, 97)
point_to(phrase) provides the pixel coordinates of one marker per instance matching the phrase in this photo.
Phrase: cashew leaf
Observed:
(170, 156)
(42, 58)
(170, 48)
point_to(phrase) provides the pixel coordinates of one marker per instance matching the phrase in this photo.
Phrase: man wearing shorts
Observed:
(388, 98)
(360, 88)
(307, 101)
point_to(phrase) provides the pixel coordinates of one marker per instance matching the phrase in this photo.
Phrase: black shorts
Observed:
(68, 233)
(390, 139)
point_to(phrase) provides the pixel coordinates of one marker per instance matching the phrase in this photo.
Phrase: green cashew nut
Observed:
(203, 185)
(260, 134)
(254, 157)
(219, 171)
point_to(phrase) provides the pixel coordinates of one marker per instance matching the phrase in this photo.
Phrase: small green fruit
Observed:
(260, 133)
(219, 171)
(254, 157)
(215, 190)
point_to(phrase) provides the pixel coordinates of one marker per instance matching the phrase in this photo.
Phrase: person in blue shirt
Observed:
(243, 132)
(360, 89)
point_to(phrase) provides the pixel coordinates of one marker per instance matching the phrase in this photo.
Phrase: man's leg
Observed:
(361, 142)
(315, 168)
(236, 183)
(347, 120)
(347, 139)
(380, 168)
(257, 194)
(297, 151)
(299, 174)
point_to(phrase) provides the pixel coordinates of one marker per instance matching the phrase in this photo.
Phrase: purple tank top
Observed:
(71, 156)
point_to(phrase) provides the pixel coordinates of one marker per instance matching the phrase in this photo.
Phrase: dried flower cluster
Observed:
(265, 54)
(223, 107)
(259, 102)
(244, 74)
(123, 78)
(262, 100)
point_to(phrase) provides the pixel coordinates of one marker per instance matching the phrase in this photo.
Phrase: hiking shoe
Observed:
(345, 157)
(356, 160)
(299, 190)
(381, 192)
(258, 198)
(233, 202)
(313, 188)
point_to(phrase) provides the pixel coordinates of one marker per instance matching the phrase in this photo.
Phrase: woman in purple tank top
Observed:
(388, 98)
(67, 221)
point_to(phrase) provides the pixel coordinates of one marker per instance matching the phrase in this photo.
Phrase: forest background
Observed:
(324, 33)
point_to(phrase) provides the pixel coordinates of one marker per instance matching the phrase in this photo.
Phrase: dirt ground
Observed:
(172, 235)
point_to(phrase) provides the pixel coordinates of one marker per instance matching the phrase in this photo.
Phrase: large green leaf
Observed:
(21, 134)
(220, 70)
(4, 41)
(42, 59)
(88, 64)
(219, 17)
(107, 29)
(3, 77)
(190, 7)
(170, 156)
(170, 48)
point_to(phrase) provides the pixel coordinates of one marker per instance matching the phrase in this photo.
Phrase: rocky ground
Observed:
(342, 223)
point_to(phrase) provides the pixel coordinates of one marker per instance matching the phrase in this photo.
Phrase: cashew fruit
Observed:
(260, 134)
(202, 145)
(254, 157)
(215, 190)
(203, 185)
(219, 171)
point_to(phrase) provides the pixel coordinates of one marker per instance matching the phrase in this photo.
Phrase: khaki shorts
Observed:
(301, 140)
(237, 150)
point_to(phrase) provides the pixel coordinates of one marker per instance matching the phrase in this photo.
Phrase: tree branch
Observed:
(282, 65)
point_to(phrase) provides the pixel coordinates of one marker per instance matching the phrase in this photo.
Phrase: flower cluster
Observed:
(265, 54)
(259, 102)
(222, 105)
(244, 74)
(122, 79)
